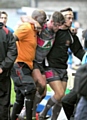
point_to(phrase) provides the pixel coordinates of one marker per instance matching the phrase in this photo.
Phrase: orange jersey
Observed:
(27, 43)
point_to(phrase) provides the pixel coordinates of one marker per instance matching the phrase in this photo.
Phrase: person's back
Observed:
(27, 43)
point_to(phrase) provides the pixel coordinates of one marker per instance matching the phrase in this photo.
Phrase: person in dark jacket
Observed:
(56, 71)
(8, 54)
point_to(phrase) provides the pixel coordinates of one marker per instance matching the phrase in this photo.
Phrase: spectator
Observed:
(8, 54)
(4, 17)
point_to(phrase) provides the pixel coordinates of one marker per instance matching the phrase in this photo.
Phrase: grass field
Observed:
(12, 93)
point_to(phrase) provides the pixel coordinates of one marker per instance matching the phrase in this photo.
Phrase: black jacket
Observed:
(8, 49)
(58, 55)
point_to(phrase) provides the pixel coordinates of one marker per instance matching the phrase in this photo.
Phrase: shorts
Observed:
(21, 75)
(54, 74)
(39, 66)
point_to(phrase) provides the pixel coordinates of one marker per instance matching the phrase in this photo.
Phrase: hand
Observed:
(84, 59)
(1, 70)
(32, 21)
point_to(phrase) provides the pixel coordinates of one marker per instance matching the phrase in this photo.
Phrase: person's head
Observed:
(68, 14)
(56, 20)
(4, 17)
(39, 16)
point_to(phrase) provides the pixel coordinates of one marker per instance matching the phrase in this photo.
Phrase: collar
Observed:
(1, 25)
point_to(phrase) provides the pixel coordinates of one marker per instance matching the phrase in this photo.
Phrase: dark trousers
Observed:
(25, 89)
(5, 90)
(69, 102)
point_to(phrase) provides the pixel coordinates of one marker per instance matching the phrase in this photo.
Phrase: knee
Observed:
(42, 84)
(60, 94)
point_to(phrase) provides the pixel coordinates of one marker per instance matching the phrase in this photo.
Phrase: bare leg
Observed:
(40, 81)
(59, 91)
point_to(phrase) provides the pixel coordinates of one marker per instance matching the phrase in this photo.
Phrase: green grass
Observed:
(12, 92)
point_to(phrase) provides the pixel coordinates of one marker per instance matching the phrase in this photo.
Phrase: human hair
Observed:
(58, 17)
(36, 13)
(66, 9)
(3, 12)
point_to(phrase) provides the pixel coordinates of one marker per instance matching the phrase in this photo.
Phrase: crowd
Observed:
(33, 55)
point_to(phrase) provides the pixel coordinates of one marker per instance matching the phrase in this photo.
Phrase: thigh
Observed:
(58, 88)
(5, 90)
(38, 73)
(38, 77)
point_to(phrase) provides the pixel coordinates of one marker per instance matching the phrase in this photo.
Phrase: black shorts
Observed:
(39, 66)
(21, 75)
(54, 74)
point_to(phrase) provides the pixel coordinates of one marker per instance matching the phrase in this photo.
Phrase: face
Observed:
(41, 19)
(68, 19)
(4, 18)
(56, 26)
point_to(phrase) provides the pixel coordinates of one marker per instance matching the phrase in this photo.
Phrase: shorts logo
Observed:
(49, 74)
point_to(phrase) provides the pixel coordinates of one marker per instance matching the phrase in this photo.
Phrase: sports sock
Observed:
(56, 111)
(49, 104)
(36, 102)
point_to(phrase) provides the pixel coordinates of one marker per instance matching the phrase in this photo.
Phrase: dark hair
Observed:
(36, 13)
(3, 12)
(66, 9)
(58, 17)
